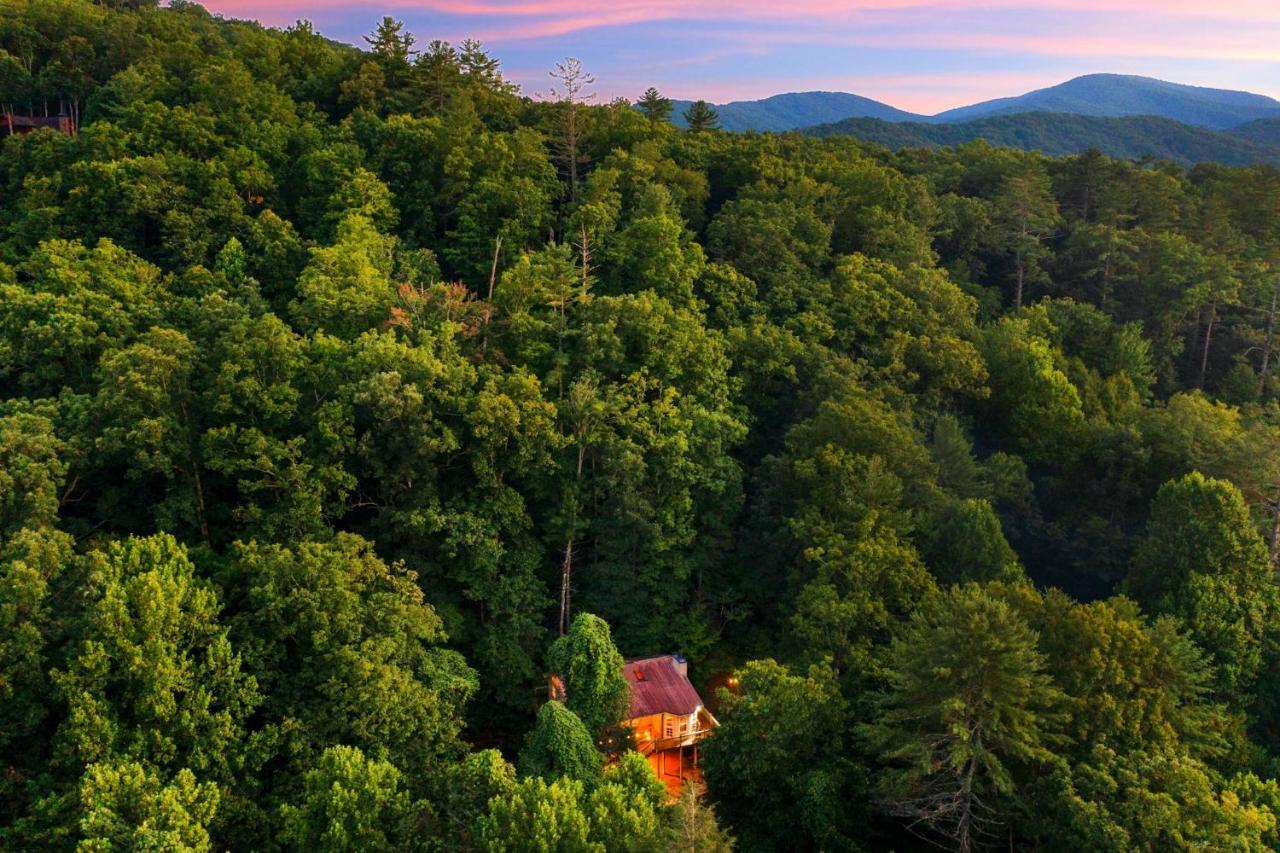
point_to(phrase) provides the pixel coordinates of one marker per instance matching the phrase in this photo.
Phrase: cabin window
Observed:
(669, 728)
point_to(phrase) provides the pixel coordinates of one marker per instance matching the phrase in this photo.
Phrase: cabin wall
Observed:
(657, 727)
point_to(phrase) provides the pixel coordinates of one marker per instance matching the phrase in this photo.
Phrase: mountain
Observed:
(1057, 134)
(1265, 131)
(1126, 95)
(796, 110)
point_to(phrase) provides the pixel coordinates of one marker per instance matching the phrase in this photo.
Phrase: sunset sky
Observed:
(922, 56)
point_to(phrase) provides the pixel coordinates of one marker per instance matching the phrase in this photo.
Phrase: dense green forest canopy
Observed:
(336, 384)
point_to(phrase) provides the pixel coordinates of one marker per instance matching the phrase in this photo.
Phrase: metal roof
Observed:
(657, 687)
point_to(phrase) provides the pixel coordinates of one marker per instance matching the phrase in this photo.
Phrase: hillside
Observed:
(1264, 131)
(1127, 95)
(1055, 134)
(796, 110)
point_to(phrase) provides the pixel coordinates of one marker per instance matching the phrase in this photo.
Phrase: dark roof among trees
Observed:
(658, 686)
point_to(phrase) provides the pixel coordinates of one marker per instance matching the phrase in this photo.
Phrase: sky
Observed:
(919, 55)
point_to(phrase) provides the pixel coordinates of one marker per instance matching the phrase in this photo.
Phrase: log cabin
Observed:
(667, 717)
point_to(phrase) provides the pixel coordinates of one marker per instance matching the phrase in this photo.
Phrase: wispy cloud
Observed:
(919, 54)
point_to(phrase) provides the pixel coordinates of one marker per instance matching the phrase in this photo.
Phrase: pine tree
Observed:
(701, 116)
(655, 107)
(968, 701)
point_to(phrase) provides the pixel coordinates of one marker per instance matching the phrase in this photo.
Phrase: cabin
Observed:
(16, 125)
(667, 717)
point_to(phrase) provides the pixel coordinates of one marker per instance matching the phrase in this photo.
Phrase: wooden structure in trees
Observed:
(667, 717)
(15, 125)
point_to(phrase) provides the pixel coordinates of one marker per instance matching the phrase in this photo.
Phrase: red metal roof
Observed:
(658, 687)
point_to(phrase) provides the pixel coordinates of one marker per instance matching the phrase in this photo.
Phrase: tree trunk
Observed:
(1208, 338)
(1266, 344)
(488, 305)
(566, 568)
(1017, 294)
(198, 488)
(1274, 539)
(572, 139)
(585, 248)
(1106, 271)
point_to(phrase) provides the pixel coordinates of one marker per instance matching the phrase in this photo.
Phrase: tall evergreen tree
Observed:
(701, 117)
(655, 107)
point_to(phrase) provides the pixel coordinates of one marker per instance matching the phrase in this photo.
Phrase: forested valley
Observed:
(345, 395)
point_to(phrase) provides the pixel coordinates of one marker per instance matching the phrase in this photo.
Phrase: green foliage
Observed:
(327, 374)
(1203, 561)
(968, 705)
(560, 746)
(693, 826)
(153, 677)
(331, 619)
(348, 803)
(346, 289)
(126, 806)
(775, 768)
(1127, 137)
(591, 668)
(701, 117)
(538, 818)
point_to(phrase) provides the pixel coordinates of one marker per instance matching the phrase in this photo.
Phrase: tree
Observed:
(968, 703)
(349, 803)
(1204, 562)
(34, 556)
(148, 406)
(330, 619)
(1034, 405)
(346, 288)
(467, 789)
(440, 71)
(776, 768)
(128, 806)
(591, 667)
(391, 44)
(560, 746)
(155, 678)
(655, 107)
(539, 816)
(861, 587)
(701, 117)
(964, 541)
(574, 80)
(1025, 216)
(692, 826)
(626, 809)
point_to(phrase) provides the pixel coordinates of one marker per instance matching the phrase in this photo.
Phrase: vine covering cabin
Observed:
(666, 715)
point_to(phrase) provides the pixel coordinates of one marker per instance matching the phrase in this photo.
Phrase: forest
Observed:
(346, 394)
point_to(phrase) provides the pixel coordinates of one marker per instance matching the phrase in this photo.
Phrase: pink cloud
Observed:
(987, 47)
(570, 15)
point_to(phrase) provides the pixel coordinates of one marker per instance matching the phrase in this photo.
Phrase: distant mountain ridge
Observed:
(796, 109)
(1115, 95)
(1099, 95)
(1126, 137)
